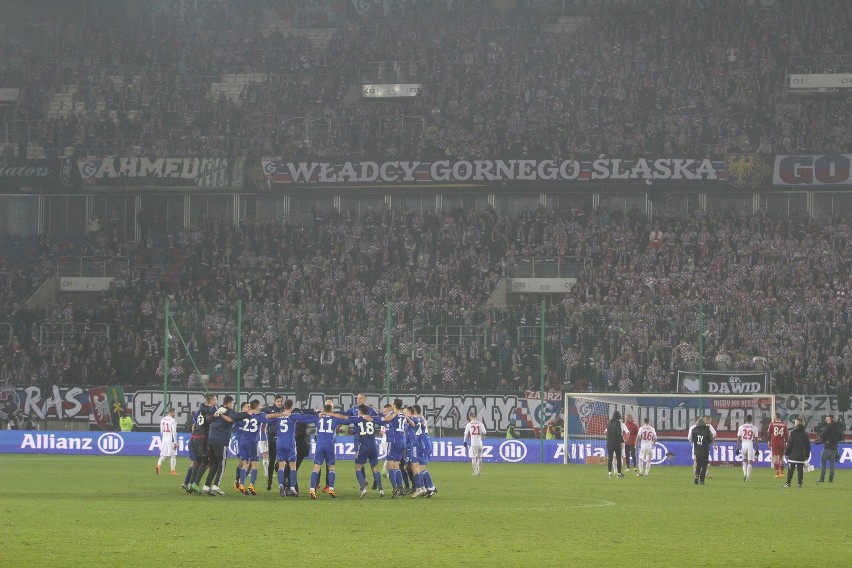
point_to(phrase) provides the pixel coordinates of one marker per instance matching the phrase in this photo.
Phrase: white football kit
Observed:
(748, 433)
(474, 431)
(647, 439)
(168, 431)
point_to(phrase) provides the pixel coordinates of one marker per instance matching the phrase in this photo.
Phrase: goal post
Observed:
(585, 417)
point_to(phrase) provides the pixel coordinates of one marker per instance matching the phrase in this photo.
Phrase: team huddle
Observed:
(281, 429)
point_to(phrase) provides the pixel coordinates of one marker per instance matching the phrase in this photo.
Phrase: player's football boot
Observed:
(215, 489)
(185, 487)
(193, 488)
(281, 491)
(209, 491)
(331, 492)
(242, 489)
(292, 493)
(696, 481)
(429, 493)
(157, 469)
(173, 472)
(237, 486)
(381, 492)
(362, 493)
(251, 489)
(313, 493)
(326, 489)
(620, 475)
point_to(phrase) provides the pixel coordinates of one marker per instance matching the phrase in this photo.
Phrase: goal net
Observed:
(586, 416)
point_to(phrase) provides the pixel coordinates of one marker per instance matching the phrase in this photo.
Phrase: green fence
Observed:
(417, 347)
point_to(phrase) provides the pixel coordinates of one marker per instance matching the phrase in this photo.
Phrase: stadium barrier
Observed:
(495, 450)
(94, 406)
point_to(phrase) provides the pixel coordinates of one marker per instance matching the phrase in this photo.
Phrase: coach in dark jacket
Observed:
(615, 431)
(830, 436)
(798, 452)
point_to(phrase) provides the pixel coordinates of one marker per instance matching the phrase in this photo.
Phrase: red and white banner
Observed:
(812, 170)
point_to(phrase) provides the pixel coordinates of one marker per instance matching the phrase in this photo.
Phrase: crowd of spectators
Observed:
(495, 82)
(773, 295)
(631, 78)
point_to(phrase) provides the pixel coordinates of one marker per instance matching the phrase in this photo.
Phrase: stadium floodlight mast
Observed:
(585, 416)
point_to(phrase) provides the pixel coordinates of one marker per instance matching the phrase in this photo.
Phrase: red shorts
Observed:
(779, 451)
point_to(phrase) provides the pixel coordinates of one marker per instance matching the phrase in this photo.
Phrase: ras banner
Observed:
(738, 170)
(494, 450)
(163, 172)
(714, 382)
(813, 170)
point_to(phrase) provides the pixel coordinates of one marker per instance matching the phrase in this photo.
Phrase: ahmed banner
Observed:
(119, 171)
(494, 450)
(715, 382)
(739, 171)
(823, 171)
(445, 412)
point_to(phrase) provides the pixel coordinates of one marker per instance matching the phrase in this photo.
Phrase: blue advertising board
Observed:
(495, 450)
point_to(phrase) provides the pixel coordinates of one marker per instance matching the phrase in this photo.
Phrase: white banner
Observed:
(810, 81)
(541, 285)
(9, 95)
(812, 170)
(390, 90)
(84, 284)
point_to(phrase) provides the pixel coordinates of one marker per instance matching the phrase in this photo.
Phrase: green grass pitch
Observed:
(82, 511)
